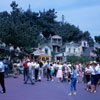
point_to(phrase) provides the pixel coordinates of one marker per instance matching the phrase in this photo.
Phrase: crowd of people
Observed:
(65, 72)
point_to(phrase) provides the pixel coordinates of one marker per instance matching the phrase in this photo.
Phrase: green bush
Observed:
(80, 59)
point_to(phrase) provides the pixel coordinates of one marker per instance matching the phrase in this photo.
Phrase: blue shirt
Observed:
(74, 74)
(2, 67)
(48, 65)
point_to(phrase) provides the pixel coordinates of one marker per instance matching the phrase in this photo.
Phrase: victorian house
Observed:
(54, 46)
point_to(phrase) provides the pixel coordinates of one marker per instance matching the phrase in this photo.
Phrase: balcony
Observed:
(57, 42)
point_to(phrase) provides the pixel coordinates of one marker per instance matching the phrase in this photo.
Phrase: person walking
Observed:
(51, 71)
(48, 70)
(59, 72)
(94, 77)
(40, 70)
(33, 63)
(44, 69)
(88, 77)
(36, 71)
(29, 73)
(98, 73)
(2, 83)
(73, 81)
(15, 71)
(25, 69)
(55, 68)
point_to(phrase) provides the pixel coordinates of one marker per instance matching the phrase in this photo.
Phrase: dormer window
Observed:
(54, 40)
(74, 50)
(59, 41)
(46, 51)
(69, 50)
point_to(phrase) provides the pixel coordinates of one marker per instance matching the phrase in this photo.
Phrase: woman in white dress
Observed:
(59, 72)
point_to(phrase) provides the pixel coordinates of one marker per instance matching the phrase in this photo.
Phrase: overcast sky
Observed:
(82, 13)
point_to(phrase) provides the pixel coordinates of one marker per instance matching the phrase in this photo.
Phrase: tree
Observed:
(97, 50)
(80, 59)
(86, 35)
(69, 32)
(46, 22)
(22, 28)
(14, 5)
(97, 39)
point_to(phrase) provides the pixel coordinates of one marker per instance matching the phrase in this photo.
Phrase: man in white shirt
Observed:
(98, 73)
(29, 74)
(40, 70)
(2, 70)
(36, 71)
(94, 76)
(33, 63)
(44, 69)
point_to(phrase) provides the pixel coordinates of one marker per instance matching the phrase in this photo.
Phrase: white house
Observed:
(72, 49)
(54, 44)
(46, 48)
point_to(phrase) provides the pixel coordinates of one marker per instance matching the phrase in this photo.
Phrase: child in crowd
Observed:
(51, 72)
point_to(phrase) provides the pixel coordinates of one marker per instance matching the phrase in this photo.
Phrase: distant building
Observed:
(43, 54)
(54, 44)
(72, 49)
(46, 48)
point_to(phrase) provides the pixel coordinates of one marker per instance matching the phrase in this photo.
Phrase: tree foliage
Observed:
(97, 39)
(22, 28)
(97, 50)
(74, 59)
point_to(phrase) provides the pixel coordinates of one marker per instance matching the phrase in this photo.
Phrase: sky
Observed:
(82, 13)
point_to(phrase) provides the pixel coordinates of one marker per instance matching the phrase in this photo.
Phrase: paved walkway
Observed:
(44, 90)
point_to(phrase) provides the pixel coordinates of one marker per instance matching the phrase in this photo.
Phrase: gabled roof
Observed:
(38, 52)
(57, 36)
(71, 44)
(45, 44)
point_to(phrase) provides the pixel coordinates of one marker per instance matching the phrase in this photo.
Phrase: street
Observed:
(44, 90)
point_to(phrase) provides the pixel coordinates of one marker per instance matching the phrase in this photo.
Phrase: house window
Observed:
(63, 50)
(74, 50)
(69, 50)
(47, 59)
(84, 44)
(59, 41)
(43, 59)
(46, 51)
(55, 41)
(58, 49)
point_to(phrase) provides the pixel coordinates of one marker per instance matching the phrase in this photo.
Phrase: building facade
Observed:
(54, 45)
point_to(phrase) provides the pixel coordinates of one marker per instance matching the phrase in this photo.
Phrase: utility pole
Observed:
(63, 19)
(29, 6)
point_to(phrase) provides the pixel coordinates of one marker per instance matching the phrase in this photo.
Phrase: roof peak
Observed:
(56, 36)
